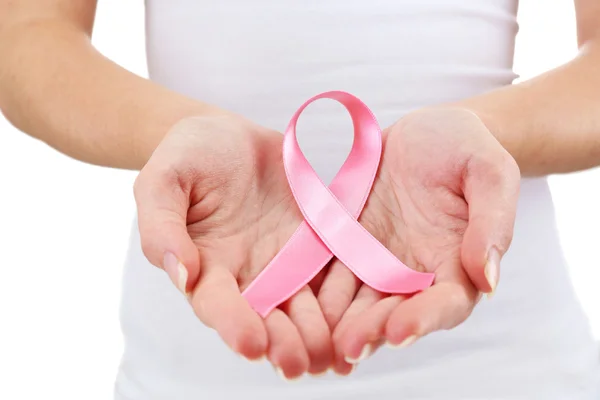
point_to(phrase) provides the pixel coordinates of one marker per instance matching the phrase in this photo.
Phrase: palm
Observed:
(215, 196)
(417, 209)
(424, 220)
(239, 219)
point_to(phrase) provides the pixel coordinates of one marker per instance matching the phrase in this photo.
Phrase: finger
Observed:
(162, 206)
(286, 349)
(337, 292)
(441, 306)
(366, 330)
(305, 313)
(217, 302)
(365, 298)
(317, 281)
(491, 189)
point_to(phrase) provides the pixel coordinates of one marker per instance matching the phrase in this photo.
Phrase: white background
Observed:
(64, 229)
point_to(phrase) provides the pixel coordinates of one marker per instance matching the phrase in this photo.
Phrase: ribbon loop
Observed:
(330, 225)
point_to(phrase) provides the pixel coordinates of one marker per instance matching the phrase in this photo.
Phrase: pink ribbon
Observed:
(330, 225)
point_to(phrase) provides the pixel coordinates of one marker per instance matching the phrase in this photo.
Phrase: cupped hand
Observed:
(444, 201)
(214, 207)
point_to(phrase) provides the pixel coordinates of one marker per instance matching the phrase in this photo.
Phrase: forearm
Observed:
(56, 87)
(550, 124)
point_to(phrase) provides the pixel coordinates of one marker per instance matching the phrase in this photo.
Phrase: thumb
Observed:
(491, 189)
(162, 206)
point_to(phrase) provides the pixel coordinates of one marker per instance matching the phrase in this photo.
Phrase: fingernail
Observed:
(405, 343)
(352, 368)
(281, 374)
(318, 374)
(258, 360)
(492, 270)
(285, 378)
(176, 271)
(365, 353)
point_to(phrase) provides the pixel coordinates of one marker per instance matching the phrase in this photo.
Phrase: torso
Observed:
(263, 59)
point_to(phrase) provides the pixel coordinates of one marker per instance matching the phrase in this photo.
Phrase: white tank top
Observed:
(264, 58)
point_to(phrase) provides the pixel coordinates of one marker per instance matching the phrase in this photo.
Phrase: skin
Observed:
(200, 214)
(448, 209)
(229, 213)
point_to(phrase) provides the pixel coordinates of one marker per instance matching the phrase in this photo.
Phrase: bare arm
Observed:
(551, 124)
(56, 87)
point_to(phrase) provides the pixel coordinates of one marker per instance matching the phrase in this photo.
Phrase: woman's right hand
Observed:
(214, 207)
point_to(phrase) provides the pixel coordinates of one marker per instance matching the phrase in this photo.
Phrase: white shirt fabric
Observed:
(263, 59)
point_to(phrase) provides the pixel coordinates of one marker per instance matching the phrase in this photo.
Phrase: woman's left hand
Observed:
(444, 201)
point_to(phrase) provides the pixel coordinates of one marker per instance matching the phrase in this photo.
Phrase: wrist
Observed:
(476, 120)
(495, 122)
(154, 130)
(203, 121)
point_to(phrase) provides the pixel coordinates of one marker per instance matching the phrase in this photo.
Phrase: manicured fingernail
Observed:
(285, 378)
(405, 343)
(281, 374)
(176, 271)
(365, 353)
(318, 374)
(352, 368)
(258, 360)
(492, 270)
